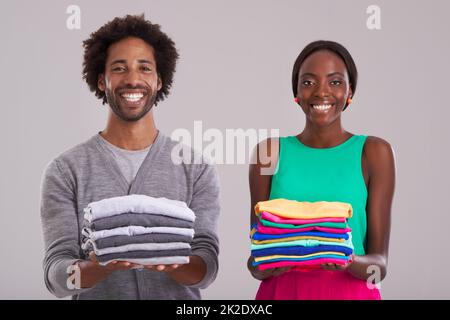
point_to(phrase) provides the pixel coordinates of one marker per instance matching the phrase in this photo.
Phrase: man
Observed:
(129, 63)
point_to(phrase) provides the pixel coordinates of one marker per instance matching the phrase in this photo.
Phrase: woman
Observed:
(327, 163)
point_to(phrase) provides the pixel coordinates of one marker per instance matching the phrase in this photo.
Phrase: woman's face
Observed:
(323, 87)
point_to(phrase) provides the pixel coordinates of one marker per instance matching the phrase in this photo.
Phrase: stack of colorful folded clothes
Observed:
(138, 229)
(302, 235)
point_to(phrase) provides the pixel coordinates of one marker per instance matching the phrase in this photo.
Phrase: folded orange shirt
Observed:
(305, 210)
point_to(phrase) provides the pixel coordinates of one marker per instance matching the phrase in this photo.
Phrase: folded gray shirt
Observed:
(137, 219)
(88, 173)
(142, 254)
(117, 241)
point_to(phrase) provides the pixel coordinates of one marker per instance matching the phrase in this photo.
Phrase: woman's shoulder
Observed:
(376, 144)
(378, 150)
(265, 154)
(269, 145)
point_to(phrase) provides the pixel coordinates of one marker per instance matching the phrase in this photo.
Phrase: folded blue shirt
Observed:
(300, 250)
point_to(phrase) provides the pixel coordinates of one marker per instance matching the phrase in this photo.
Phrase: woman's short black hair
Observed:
(329, 46)
(96, 48)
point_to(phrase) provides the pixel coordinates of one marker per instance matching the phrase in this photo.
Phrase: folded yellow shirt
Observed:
(296, 238)
(281, 256)
(305, 210)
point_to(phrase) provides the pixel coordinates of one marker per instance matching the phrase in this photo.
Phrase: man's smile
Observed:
(133, 97)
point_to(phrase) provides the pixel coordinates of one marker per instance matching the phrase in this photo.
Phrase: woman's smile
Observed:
(322, 108)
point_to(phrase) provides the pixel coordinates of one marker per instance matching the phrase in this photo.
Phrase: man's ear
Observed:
(159, 84)
(101, 82)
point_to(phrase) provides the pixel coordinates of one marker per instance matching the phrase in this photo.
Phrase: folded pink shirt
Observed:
(307, 264)
(271, 230)
(271, 217)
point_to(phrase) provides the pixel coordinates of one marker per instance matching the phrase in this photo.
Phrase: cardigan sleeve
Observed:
(205, 204)
(60, 230)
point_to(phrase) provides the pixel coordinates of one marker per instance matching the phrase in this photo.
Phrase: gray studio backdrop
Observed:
(234, 72)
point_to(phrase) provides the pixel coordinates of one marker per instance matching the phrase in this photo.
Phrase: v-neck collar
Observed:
(143, 170)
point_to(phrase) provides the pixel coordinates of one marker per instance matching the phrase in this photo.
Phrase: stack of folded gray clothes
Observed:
(138, 229)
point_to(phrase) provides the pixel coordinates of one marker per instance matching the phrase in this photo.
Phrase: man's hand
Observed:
(162, 267)
(92, 272)
(186, 274)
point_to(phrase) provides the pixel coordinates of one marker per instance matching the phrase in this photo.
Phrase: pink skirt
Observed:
(316, 284)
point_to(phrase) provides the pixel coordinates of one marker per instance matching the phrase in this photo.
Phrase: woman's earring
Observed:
(296, 100)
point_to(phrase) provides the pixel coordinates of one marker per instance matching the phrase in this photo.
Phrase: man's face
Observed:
(130, 81)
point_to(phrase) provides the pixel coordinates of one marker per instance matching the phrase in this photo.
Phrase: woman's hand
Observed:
(272, 272)
(264, 274)
(338, 267)
(333, 267)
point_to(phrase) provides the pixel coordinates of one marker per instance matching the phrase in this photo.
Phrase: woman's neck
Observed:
(323, 137)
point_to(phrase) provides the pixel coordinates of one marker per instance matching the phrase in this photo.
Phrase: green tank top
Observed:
(324, 174)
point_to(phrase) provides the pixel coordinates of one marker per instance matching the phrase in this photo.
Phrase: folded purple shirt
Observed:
(272, 230)
(262, 236)
(271, 217)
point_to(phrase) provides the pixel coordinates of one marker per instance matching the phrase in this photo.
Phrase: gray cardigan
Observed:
(88, 173)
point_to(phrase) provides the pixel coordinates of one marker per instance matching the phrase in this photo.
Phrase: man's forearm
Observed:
(190, 273)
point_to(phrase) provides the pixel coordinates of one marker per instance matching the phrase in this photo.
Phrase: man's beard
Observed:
(118, 111)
